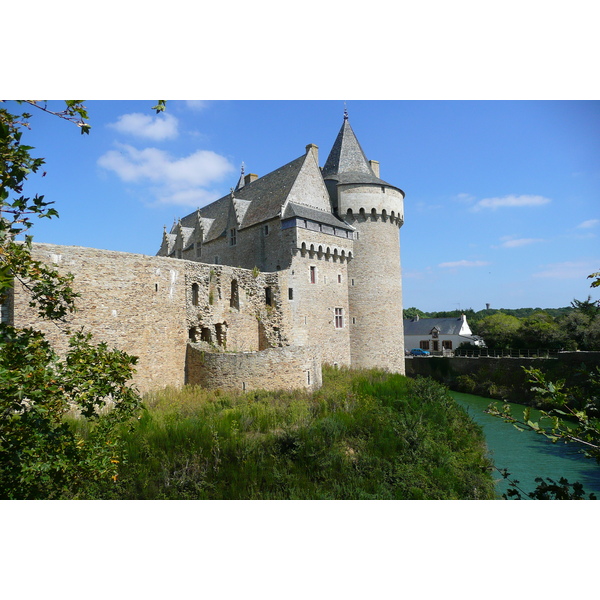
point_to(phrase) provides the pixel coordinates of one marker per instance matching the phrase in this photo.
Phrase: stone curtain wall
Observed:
(147, 307)
(132, 302)
(272, 369)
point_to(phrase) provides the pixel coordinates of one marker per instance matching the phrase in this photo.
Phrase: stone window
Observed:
(192, 333)
(216, 260)
(234, 300)
(313, 274)
(290, 293)
(232, 237)
(339, 318)
(436, 345)
(198, 250)
(206, 335)
(447, 345)
(266, 230)
(268, 296)
(195, 294)
(424, 344)
(339, 278)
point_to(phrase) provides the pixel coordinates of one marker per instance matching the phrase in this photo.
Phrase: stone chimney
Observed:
(375, 166)
(314, 149)
(250, 178)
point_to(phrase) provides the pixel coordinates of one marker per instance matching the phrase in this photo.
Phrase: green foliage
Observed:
(412, 312)
(363, 435)
(498, 330)
(42, 454)
(547, 489)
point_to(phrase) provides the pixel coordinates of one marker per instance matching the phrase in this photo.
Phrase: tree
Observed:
(42, 455)
(498, 330)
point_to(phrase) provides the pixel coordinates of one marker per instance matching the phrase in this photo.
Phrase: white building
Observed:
(439, 335)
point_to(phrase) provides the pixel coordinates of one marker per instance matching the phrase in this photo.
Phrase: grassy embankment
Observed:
(364, 435)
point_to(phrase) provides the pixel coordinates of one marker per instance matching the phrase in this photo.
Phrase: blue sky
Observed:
(502, 197)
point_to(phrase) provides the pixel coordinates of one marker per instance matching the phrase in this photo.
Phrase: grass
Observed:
(363, 435)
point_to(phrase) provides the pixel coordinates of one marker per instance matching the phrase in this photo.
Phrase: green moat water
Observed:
(527, 455)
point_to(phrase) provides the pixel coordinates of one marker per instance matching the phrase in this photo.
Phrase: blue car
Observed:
(419, 352)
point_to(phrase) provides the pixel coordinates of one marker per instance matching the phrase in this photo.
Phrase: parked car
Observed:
(419, 352)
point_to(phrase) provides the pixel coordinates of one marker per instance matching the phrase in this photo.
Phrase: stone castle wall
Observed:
(152, 307)
(290, 367)
(132, 302)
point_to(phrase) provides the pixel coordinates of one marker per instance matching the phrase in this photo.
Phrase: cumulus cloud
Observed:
(463, 263)
(184, 181)
(510, 201)
(589, 224)
(153, 127)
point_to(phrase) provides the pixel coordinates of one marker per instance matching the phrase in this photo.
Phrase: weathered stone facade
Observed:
(256, 289)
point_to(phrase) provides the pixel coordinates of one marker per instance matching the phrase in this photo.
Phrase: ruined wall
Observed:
(290, 367)
(233, 309)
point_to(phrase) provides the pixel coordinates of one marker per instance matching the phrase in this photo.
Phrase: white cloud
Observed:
(567, 270)
(196, 105)
(512, 242)
(511, 201)
(464, 198)
(171, 180)
(589, 224)
(463, 263)
(153, 127)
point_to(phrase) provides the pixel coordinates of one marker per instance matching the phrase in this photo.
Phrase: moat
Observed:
(527, 455)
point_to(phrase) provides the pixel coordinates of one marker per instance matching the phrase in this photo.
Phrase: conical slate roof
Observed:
(347, 162)
(346, 155)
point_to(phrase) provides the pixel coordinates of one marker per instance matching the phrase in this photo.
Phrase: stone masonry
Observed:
(290, 269)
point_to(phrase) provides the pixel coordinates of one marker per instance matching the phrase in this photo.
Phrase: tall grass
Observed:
(363, 435)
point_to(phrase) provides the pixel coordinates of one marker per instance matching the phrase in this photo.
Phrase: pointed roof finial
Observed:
(345, 112)
(242, 168)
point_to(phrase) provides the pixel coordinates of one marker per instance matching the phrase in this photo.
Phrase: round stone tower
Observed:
(376, 210)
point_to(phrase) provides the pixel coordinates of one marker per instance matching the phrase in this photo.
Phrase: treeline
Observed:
(575, 327)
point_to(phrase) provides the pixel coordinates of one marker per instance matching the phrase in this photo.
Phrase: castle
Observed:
(290, 270)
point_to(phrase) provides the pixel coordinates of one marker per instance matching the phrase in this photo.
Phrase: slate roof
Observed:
(304, 212)
(446, 326)
(347, 162)
(255, 202)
